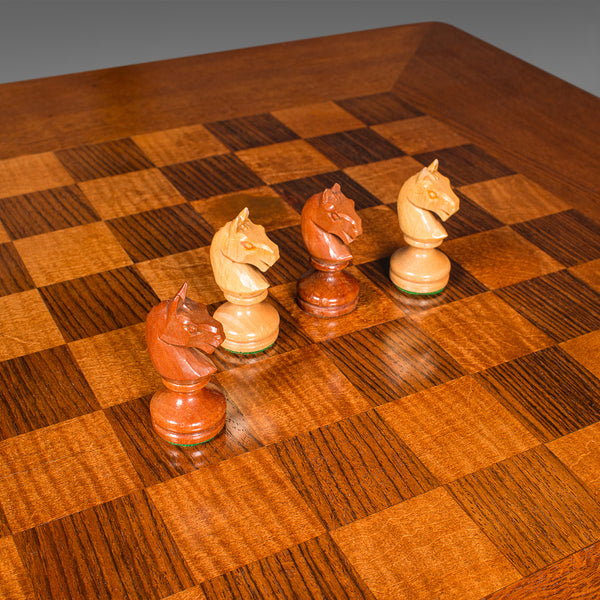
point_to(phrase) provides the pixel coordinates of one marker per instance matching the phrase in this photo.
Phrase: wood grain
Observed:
(14, 578)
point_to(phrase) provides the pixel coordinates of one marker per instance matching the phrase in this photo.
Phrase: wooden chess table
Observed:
(417, 448)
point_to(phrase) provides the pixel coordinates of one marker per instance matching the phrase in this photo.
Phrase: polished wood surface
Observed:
(418, 447)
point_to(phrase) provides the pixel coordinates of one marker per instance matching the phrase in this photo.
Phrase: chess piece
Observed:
(329, 222)
(419, 267)
(238, 252)
(180, 332)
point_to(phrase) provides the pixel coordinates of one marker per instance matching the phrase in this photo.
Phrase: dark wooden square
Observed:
(470, 218)
(99, 303)
(105, 552)
(558, 303)
(465, 164)
(391, 360)
(103, 160)
(250, 132)
(353, 468)
(14, 276)
(568, 236)
(42, 389)
(379, 108)
(45, 211)
(160, 232)
(293, 256)
(357, 147)
(211, 176)
(548, 391)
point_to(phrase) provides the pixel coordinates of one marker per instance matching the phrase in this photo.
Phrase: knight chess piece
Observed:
(239, 251)
(420, 267)
(189, 409)
(329, 222)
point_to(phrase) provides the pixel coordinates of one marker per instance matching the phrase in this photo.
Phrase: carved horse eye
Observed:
(432, 194)
(248, 245)
(191, 328)
(334, 216)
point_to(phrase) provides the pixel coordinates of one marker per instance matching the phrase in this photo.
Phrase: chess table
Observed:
(417, 448)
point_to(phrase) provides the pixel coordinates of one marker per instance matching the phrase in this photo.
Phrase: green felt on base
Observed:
(255, 351)
(421, 293)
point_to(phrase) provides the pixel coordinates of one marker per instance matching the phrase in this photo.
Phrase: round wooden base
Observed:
(248, 328)
(188, 418)
(419, 270)
(327, 293)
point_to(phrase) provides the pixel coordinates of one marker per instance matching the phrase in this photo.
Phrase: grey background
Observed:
(53, 37)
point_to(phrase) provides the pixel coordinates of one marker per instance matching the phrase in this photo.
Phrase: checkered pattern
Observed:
(419, 447)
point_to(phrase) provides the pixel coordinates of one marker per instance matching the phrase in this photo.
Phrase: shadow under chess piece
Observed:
(329, 222)
(420, 268)
(238, 252)
(180, 332)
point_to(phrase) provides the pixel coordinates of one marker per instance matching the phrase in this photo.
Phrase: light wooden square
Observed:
(585, 349)
(130, 193)
(31, 173)
(179, 145)
(514, 198)
(588, 272)
(381, 235)
(424, 548)
(227, 515)
(308, 392)
(62, 469)
(15, 583)
(457, 428)
(286, 161)
(4, 237)
(481, 331)
(71, 253)
(311, 120)
(26, 325)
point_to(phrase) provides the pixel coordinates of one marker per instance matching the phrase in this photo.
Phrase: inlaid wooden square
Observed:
(586, 350)
(267, 208)
(374, 307)
(391, 360)
(531, 507)
(381, 235)
(99, 303)
(156, 460)
(130, 193)
(32, 173)
(353, 468)
(161, 232)
(356, 147)
(315, 569)
(514, 198)
(310, 120)
(249, 510)
(569, 237)
(469, 219)
(71, 253)
(424, 548)
(457, 428)
(14, 277)
(107, 551)
(103, 160)
(558, 304)
(467, 164)
(385, 178)
(500, 257)
(26, 325)
(286, 161)
(117, 365)
(481, 331)
(15, 583)
(290, 404)
(48, 210)
(166, 275)
(421, 134)
(42, 389)
(580, 452)
(379, 108)
(179, 145)
(211, 176)
(62, 469)
(549, 392)
(588, 272)
(4, 237)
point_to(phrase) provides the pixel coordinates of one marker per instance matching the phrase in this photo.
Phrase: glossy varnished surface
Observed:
(419, 447)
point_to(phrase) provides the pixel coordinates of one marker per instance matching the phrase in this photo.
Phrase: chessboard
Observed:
(419, 447)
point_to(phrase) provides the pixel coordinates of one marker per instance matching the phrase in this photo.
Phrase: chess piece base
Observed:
(248, 328)
(188, 415)
(420, 270)
(327, 293)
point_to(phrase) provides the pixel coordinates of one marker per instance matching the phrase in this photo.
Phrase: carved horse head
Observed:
(424, 194)
(236, 249)
(329, 222)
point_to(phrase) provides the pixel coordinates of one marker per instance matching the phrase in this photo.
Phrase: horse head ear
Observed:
(239, 220)
(328, 199)
(181, 294)
(423, 173)
(433, 167)
(176, 301)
